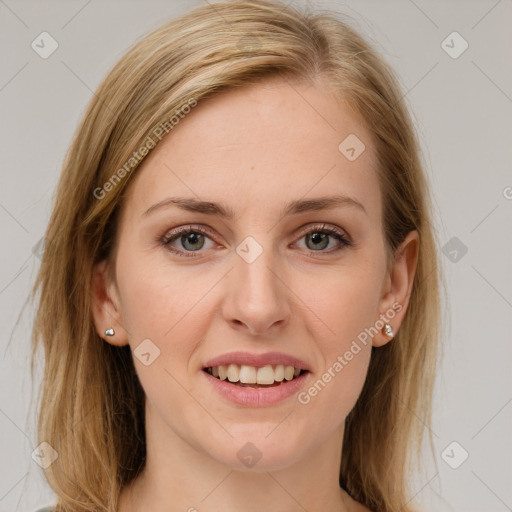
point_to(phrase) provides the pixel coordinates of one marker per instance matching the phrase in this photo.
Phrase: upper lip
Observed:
(257, 360)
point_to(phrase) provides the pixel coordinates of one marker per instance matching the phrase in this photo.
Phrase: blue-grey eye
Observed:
(320, 240)
(192, 241)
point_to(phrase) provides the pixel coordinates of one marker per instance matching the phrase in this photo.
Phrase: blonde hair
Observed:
(91, 401)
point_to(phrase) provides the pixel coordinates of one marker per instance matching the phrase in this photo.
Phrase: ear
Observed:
(105, 306)
(398, 287)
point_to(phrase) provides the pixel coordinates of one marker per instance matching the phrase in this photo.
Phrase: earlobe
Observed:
(105, 309)
(397, 292)
(386, 334)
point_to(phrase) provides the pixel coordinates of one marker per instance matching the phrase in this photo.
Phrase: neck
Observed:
(179, 477)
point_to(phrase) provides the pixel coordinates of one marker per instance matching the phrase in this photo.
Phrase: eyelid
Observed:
(324, 226)
(343, 237)
(302, 230)
(172, 233)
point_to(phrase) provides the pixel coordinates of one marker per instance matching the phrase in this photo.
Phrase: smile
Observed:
(256, 380)
(252, 376)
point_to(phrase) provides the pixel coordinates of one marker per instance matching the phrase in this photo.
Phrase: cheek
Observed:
(344, 301)
(152, 297)
(167, 307)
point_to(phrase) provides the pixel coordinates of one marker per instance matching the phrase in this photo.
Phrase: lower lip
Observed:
(256, 397)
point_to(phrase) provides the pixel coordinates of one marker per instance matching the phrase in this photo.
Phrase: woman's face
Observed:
(263, 172)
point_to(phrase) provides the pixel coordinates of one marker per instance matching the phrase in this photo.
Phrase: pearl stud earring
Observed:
(109, 332)
(388, 331)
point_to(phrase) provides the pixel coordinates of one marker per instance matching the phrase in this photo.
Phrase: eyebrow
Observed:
(293, 208)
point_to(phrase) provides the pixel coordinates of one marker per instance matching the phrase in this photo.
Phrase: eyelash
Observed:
(167, 239)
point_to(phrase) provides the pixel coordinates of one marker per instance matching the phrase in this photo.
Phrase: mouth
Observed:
(247, 376)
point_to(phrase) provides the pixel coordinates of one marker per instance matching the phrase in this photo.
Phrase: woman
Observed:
(239, 295)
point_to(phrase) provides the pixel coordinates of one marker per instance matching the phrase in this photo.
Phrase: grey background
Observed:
(463, 112)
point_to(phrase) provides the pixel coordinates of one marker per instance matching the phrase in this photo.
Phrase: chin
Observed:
(259, 448)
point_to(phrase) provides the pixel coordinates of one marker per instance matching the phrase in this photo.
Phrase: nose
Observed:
(257, 298)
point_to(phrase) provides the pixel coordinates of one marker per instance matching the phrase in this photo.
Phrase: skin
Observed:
(254, 150)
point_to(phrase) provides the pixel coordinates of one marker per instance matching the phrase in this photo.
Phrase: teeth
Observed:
(233, 373)
(265, 375)
(246, 374)
(279, 373)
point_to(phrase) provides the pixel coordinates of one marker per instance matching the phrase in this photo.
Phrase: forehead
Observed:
(264, 144)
